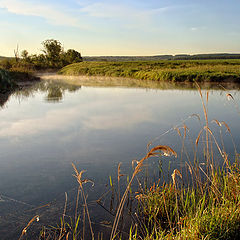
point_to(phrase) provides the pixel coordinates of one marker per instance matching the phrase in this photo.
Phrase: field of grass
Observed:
(176, 70)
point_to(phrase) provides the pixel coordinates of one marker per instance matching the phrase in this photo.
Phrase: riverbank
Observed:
(11, 80)
(209, 210)
(179, 71)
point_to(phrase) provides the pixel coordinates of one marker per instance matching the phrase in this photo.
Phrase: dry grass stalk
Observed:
(160, 149)
(229, 131)
(78, 175)
(178, 131)
(24, 231)
(174, 175)
(197, 116)
(63, 217)
(229, 96)
(206, 119)
(119, 176)
(198, 137)
(217, 122)
(215, 189)
(215, 140)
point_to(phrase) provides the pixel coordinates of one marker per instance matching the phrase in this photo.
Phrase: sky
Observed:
(121, 28)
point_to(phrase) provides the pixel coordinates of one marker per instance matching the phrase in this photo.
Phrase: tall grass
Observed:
(188, 213)
(207, 208)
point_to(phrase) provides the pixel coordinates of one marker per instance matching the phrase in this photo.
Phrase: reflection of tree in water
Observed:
(54, 94)
(54, 91)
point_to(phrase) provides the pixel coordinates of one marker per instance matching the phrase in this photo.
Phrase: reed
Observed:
(153, 152)
(71, 228)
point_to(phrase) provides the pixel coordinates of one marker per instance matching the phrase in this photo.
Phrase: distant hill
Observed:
(164, 57)
(207, 56)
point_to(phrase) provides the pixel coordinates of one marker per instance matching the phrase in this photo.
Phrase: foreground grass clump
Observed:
(181, 70)
(210, 211)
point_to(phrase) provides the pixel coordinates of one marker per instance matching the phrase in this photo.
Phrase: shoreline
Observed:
(108, 81)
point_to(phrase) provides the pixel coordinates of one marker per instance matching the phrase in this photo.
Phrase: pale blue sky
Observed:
(133, 27)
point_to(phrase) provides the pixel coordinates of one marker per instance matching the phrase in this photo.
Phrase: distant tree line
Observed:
(53, 56)
(162, 57)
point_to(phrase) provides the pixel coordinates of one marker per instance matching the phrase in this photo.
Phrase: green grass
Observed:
(189, 213)
(181, 70)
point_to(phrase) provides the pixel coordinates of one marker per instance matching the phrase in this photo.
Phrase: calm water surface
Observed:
(47, 127)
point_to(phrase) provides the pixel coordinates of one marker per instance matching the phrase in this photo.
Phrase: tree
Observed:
(25, 57)
(52, 50)
(39, 61)
(24, 54)
(72, 56)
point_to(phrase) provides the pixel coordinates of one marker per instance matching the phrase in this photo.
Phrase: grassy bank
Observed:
(189, 70)
(210, 210)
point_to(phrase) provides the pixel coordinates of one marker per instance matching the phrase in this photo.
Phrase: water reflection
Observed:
(55, 86)
(54, 91)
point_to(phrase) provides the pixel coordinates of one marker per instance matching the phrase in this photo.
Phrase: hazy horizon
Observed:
(126, 28)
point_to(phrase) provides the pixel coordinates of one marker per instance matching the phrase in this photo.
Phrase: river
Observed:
(47, 127)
